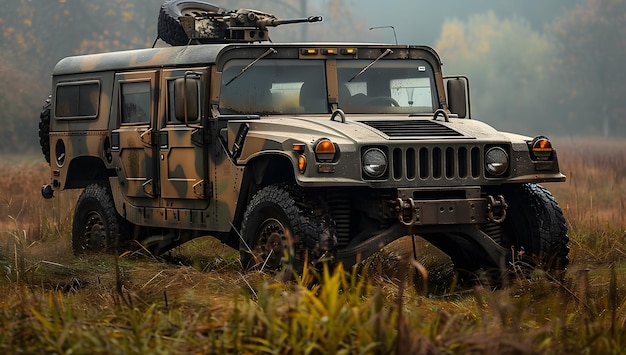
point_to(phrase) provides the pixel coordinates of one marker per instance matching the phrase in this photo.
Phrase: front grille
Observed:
(413, 128)
(436, 162)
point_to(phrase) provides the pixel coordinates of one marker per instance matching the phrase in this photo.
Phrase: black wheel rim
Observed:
(95, 231)
(272, 242)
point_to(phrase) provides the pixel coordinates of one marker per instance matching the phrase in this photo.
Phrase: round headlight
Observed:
(496, 161)
(374, 163)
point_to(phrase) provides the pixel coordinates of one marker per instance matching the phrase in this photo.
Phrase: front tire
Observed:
(535, 229)
(282, 227)
(97, 226)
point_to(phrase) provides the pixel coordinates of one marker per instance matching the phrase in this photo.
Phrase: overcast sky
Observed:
(419, 21)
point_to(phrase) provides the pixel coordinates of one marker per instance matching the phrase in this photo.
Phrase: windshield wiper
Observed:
(267, 52)
(385, 53)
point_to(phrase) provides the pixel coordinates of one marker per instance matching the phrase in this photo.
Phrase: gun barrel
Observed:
(277, 22)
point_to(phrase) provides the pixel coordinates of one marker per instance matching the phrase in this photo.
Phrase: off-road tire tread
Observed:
(307, 217)
(169, 28)
(537, 223)
(97, 195)
(44, 128)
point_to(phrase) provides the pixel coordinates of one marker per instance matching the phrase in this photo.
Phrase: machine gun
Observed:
(206, 23)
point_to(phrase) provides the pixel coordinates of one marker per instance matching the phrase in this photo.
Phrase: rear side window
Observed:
(136, 102)
(77, 100)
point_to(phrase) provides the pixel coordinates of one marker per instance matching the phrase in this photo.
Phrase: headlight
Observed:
(496, 161)
(374, 163)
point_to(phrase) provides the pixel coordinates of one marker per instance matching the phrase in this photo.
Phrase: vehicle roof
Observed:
(177, 56)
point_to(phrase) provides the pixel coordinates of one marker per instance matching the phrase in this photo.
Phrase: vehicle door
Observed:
(183, 163)
(133, 141)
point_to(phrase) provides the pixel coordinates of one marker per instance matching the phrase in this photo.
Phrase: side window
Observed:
(77, 100)
(135, 105)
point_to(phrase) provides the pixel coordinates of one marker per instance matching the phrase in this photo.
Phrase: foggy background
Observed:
(535, 67)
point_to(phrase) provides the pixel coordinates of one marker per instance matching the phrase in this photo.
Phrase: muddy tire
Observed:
(282, 227)
(170, 28)
(44, 128)
(97, 226)
(535, 229)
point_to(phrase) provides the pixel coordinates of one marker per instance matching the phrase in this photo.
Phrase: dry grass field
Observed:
(198, 300)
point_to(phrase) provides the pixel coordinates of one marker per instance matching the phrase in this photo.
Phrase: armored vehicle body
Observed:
(291, 151)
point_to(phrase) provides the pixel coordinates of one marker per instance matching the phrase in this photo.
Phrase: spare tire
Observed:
(170, 28)
(44, 128)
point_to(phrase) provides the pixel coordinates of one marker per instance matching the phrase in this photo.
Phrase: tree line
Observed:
(567, 80)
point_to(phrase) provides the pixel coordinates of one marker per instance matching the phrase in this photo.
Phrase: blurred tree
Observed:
(509, 65)
(35, 34)
(591, 49)
(18, 84)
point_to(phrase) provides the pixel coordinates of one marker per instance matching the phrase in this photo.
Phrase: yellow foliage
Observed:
(453, 38)
(127, 16)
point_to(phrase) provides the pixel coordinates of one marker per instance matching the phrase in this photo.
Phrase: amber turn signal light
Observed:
(541, 148)
(302, 164)
(325, 150)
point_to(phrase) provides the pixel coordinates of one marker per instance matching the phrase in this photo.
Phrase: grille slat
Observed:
(413, 128)
(435, 163)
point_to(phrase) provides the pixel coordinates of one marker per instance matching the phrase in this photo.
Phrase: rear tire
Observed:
(282, 227)
(97, 226)
(44, 128)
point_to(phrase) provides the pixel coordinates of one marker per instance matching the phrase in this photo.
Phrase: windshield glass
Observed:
(388, 86)
(276, 86)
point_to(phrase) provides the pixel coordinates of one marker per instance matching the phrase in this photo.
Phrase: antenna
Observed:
(392, 28)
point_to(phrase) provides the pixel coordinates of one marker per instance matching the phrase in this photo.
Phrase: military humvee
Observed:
(291, 151)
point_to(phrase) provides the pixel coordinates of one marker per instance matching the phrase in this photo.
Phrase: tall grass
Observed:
(199, 300)
(594, 197)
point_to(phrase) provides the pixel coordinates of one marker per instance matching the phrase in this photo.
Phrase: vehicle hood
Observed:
(368, 129)
(279, 133)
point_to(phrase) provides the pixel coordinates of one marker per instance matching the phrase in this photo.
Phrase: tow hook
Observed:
(496, 209)
(404, 207)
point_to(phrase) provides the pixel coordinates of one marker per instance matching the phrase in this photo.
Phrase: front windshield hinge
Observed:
(215, 111)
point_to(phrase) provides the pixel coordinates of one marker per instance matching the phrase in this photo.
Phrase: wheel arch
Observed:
(85, 170)
(268, 169)
(262, 170)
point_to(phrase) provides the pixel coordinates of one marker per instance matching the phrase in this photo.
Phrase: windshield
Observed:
(274, 86)
(292, 86)
(398, 86)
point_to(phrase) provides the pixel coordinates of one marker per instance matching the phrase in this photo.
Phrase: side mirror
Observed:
(186, 105)
(457, 92)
